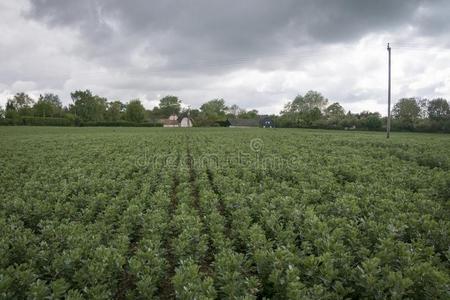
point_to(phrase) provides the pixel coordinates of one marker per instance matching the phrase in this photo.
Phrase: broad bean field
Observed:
(162, 213)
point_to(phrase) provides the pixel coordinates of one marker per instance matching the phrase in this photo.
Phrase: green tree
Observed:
(10, 110)
(349, 121)
(234, 110)
(154, 115)
(407, 111)
(304, 110)
(2, 112)
(214, 110)
(135, 111)
(423, 105)
(195, 113)
(88, 107)
(48, 105)
(373, 121)
(438, 109)
(168, 106)
(313, 99)
(335, 111)
(114, 111)
(309, 116)
(310, 101)
(251, 114)
(21, 103)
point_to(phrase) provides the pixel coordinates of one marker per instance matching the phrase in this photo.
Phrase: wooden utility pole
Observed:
(388, 126)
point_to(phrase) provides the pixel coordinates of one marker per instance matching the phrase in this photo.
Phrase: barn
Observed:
(263, 121)
(172, 121)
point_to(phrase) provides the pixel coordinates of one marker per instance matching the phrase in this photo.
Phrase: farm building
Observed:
(175, 121)
(263, 121)
(243, 123)
(185, 120)
(172, 121)
(266, 122)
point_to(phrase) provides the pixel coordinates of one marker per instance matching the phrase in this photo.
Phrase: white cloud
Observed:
(23, 85)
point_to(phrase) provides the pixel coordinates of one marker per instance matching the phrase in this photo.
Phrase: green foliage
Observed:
(148, 267)
(120, 123)
(168, 106)
(251, 114)
(214, 110)
(7, 122)
(115, 111)
(135, 111)
(373, 122)
(308, 111)
(304, 110)
(37, 121)
(20, 104)
(72, 121)
(335, 111)
(138, 213)
(48, 105)
(438, 109)
(303, 104)
(410, 114)
(231, 281)
(407, 111)
(189, 284)
(88, 107)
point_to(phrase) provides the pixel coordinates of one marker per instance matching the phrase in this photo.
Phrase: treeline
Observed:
(311, 110)
(86, 109)
(409, 114)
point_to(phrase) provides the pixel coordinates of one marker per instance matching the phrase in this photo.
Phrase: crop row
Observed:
(207, 215)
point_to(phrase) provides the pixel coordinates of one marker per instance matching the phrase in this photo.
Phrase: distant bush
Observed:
(424, 125)
(373, 123)
(6, 122)
(433, 126)
(150, 124)
(37, 121)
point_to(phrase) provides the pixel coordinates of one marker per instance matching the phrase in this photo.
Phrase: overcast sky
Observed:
(254, 53)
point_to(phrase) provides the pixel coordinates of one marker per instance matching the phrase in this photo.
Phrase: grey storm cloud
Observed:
(205, 34)
(256, 53)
